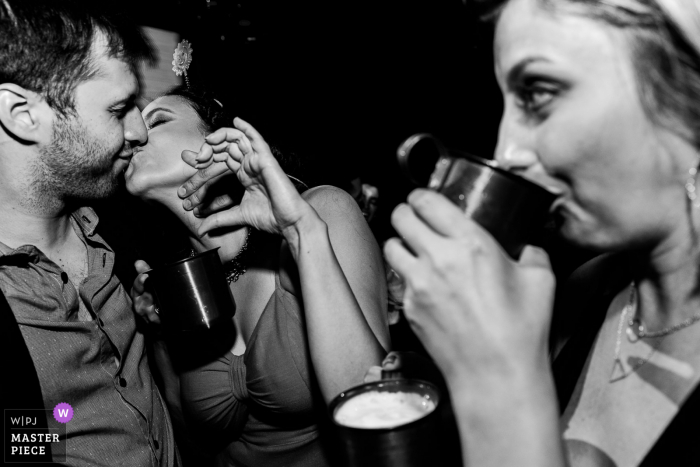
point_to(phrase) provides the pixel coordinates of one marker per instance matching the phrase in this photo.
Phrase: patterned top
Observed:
(99, 367)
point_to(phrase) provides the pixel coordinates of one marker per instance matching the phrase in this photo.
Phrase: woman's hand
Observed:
(144, 306)
(410, 365)
(482, 317)
(270, 202)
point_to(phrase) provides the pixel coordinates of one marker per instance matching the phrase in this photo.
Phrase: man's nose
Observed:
(135, 130)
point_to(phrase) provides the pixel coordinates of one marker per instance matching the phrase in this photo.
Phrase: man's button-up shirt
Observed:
(99, 367)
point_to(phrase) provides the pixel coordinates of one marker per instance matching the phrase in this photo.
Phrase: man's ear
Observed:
(23, 113)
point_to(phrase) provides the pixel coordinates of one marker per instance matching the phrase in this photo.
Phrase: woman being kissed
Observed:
(311, 303)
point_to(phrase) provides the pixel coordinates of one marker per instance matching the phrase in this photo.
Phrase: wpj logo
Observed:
(33, 436)
(63, 413)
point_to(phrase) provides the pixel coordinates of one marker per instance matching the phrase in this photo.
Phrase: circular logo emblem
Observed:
(63, 413)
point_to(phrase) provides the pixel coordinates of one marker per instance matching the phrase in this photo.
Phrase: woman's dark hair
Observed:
(214, 115)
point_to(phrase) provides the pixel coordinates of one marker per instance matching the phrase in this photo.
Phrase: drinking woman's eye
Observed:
(534, 97)
(155, 122)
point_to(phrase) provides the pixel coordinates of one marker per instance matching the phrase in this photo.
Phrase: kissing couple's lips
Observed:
(128, 152)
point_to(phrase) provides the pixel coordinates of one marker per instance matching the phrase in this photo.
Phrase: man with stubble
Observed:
(68, 126)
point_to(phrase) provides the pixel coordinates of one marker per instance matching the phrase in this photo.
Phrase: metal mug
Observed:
(511, 208)
(192, 294)
(413, 444)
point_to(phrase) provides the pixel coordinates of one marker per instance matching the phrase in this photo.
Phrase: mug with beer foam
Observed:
(388, 423)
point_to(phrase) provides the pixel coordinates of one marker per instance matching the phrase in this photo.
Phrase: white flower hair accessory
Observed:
(182, 58)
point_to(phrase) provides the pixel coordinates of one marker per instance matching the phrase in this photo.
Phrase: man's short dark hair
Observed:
(45, 46)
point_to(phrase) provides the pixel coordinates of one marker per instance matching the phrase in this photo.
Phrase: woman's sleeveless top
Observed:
(263, 405)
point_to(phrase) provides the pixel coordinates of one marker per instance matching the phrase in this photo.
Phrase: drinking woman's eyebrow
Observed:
(515, 73)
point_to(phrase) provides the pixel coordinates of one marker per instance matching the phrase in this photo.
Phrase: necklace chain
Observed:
(236, 267)
(641, 331)
(636, 330)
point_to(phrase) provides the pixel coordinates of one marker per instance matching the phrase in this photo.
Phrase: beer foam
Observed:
(375, 409)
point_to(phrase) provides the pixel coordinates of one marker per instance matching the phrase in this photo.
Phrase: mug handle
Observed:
(442, 168)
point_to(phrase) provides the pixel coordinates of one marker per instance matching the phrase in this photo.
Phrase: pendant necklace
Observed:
(635, 330)
(618, 371)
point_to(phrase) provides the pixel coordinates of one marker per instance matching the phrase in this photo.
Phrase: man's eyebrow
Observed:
(157, 109)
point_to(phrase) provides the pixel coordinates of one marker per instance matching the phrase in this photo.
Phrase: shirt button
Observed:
(122, 382)
(64, 277)
(155, 443)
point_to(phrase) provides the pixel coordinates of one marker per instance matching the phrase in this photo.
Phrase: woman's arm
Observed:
(343, 288)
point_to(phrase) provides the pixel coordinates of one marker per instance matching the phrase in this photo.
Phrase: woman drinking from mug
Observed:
(310, 296)
(601, 105)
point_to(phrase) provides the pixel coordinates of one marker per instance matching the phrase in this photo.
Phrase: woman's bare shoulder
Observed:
(330, 200)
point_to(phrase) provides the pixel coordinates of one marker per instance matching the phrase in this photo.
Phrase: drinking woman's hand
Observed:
(144, 306)
(483, 317)
(270, 202)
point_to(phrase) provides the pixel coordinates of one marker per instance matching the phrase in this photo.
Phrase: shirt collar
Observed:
(85, 217)
(87, 220)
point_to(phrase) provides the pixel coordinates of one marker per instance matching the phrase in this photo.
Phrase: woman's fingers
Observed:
(204, 156)
(139, 287)
(190, 157)
(440, 214)
(533, 256)
(248, 130)
(224, 134)
(147, 309)
(200, 181)
(373, 374)
(215, 205)
(228, 218)
(225, 149)
(141, 266)
(229, 135)
(398, 257)
(144, 305)
(414, 231)
(393, 361)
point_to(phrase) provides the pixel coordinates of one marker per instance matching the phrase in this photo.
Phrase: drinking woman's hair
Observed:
(663, 37)
(214, 115)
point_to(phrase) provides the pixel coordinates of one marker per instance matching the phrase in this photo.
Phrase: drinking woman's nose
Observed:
(516, 159)
(527, 164)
